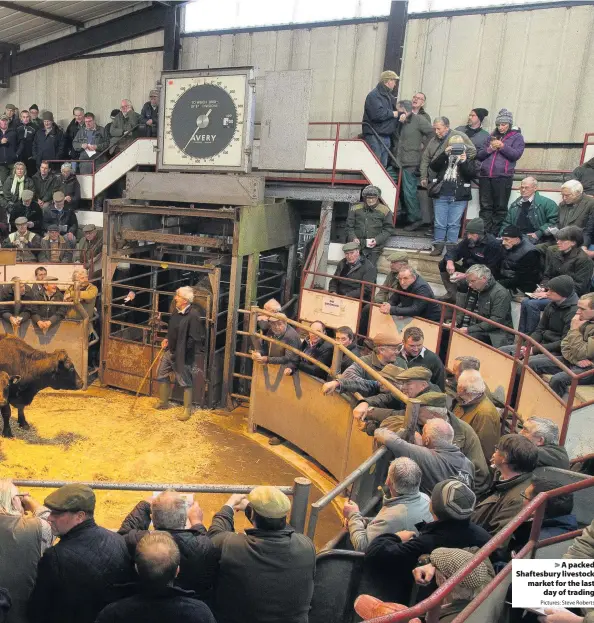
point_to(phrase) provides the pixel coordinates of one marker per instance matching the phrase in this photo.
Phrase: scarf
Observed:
(18, 182)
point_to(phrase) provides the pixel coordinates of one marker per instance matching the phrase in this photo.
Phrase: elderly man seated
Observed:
(47, 316)
(18, 313)
(353, 266)
(576, 209)
(24, 240)
(318, 348)
(520, 268)
(400, 304)
(477, 247)
(403, 509)
(488, 299)
(434, 452)
(87, 294)
(90, 246)
(474, 407)
(171, 512)
(544, 434)
(280, 330)
(398, 260)
(56, 248)
(534, 215)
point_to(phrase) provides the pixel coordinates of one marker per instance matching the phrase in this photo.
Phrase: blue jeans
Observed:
(377, 149)
(448, 215)
(530, 314)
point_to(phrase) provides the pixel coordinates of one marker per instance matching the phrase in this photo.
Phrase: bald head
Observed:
(437, 433)
(272, 306)
(157, 559)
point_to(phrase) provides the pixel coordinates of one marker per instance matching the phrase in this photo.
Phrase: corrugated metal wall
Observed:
(346, 62)
(538, 64)
(96, 84)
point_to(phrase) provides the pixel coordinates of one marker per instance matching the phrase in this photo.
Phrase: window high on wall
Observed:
(204, 15)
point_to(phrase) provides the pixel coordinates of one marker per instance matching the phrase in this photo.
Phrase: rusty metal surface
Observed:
(158, 236)
(226, 213)
(126, 363)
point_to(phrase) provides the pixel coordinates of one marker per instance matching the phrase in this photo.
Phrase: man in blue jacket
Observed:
(379, 115)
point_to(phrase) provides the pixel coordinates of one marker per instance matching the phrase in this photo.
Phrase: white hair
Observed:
(79, 271)
(530, 179)
(7, 493)
(479, 270)
(574, 187)
(439, 432)
(66, 165)
(404, 475)
(472, 382)
(545, 428)
(272, 305)
(186, 292)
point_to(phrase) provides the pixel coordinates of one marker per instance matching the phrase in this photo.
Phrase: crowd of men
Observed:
(32, 146)
(445, 162)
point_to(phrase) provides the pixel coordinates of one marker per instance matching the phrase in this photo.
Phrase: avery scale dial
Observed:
(204, 122)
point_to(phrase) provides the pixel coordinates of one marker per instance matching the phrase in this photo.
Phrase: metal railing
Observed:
(352, 479)
(535, 508)
(299, 491)
(522, 339)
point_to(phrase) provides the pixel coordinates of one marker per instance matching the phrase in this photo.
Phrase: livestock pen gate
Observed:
(229, 255)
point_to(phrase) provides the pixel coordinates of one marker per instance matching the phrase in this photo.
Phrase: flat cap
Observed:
(398, 256)
(89, 227)
(418, 373)
(269, 502)
(153, 92)
(21, 220)
(58, 195)
(3, 118)
(388, 75)
(385, 339)
(390, 372)
(350, 246)
(27, 194)
(53, 228)
(71, 498)
(432, 399)
(10, 107)
(47, 115)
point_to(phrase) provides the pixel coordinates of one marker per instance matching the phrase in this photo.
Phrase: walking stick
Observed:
(157, 356)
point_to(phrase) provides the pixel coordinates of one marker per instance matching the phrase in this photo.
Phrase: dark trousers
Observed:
(530, 311)
(493, 198)
(372, 255)
(560, 381)
(409, 193)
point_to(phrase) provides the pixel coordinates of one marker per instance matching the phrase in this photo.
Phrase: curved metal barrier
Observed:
(499, 370)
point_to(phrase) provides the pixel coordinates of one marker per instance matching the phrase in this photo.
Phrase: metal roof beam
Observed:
(43, 14)
(93, 38)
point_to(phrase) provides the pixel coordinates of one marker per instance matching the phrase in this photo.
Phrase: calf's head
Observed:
(6, 380)
(65, 375)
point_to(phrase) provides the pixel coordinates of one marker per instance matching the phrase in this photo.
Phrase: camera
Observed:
(458, 149)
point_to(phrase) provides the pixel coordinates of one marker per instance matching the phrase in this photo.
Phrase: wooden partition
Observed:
(384, 323)
(537, 398)
(26, 271)
(70, 335)
(334, 311)
(293, 407)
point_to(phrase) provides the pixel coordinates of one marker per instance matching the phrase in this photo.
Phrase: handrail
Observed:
(337, 347)
(349, 480)
(535, 506)
(299, 491)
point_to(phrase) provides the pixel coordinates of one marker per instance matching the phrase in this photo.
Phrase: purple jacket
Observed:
(502, 162)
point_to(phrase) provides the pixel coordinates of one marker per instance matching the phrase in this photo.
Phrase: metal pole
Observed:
(313, 521)
(301, 489)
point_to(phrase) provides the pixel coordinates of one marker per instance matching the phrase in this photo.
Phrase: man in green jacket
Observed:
(413, 132)
(535, 216)
(369, 224)
(489, 299)
(126, 121)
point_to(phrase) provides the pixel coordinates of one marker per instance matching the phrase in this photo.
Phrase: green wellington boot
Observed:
(186, 414)
(164, 394)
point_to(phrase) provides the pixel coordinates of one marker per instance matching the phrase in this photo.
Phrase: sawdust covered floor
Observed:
(91, 436)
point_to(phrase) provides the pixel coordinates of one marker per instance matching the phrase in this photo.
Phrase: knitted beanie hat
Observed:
(504, 116)
(562, 285)
(475, 226)
(511, 231)
(481, 113)
(452, 499)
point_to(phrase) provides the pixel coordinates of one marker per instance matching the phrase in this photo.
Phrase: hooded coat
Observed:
(555, 322)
